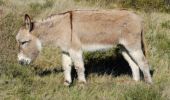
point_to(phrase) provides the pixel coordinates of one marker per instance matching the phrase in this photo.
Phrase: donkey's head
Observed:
(29, 46)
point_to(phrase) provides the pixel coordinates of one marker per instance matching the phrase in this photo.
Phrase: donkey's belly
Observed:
(98, 41)
(96, 47)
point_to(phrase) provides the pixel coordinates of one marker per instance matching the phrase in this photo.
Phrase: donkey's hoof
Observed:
(149, 82)
(67, 83)
(82, 84)
(82, 81)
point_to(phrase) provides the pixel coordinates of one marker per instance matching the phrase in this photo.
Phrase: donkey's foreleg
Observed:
(67, 63)
(77, 58)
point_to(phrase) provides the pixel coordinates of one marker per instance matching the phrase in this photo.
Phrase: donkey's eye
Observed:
(24, 42)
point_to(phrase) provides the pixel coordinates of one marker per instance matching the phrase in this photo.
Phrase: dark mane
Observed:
(53, 15)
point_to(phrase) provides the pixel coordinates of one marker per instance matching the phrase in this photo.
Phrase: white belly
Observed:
(96, 47)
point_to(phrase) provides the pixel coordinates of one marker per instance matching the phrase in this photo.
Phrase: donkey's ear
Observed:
(28, 23)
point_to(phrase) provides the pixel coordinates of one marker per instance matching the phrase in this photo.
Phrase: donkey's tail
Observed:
(143, 42)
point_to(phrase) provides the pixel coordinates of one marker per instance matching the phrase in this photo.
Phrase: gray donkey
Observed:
(85, 30)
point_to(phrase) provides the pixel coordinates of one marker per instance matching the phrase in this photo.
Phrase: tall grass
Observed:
(107, 80)
(146, 5)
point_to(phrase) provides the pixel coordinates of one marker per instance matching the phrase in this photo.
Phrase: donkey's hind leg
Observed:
(133, 66)
(139, 58)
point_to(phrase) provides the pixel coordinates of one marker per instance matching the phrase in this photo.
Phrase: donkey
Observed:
(85, 30)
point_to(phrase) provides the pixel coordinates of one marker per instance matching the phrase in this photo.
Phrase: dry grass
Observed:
(107, 80)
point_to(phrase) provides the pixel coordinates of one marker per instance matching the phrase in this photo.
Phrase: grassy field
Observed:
(108, 75)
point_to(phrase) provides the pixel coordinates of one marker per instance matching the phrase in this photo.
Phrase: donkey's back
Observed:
(106, 28)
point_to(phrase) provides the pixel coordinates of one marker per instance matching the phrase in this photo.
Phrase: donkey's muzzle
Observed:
(23, 62)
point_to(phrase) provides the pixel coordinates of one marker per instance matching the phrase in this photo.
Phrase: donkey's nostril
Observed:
(21, 62)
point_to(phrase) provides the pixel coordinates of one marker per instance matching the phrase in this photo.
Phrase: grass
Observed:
(108, 75)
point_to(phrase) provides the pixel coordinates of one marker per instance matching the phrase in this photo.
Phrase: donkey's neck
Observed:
(55, 31)
(41, 31)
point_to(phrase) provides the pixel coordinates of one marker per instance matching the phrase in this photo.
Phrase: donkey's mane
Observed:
(52, 16)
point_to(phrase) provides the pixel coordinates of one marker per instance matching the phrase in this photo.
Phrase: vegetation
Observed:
(108, 75)
(146, 5)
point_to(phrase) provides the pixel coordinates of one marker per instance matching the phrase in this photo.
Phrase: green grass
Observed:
(108, 74)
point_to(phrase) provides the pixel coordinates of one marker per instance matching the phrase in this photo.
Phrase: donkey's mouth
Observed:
(24, 62)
